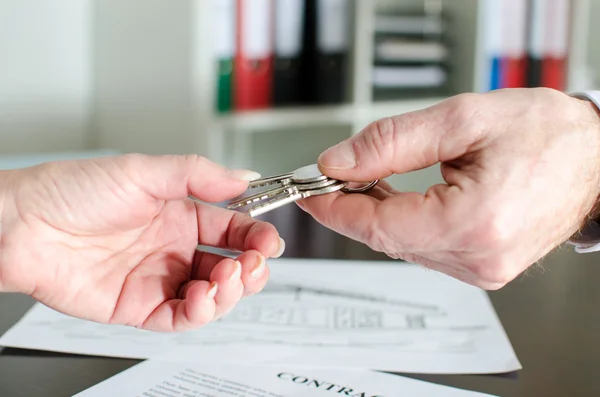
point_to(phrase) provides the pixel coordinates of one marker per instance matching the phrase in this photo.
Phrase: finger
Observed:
(378, 192)
(255, 272)
(195, 310)
(171, 177)
(405, 143)
(254, 275)
(381, 191)
(348, 214)
(218, 227)
(227, 274)
(405, 222)
(455, 271)
(203, 265)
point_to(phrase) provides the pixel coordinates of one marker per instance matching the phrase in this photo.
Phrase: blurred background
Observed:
(265, 84)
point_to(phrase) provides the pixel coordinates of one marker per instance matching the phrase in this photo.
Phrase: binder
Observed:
(332, 45)
(548, 43)
(253, 62)
(289, 19)
(557, 37)
(536, 42)
(492, 17)
(514, 46)
(324, 63)
(224, 27)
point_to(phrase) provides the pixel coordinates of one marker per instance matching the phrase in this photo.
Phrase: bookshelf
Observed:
(127, 65)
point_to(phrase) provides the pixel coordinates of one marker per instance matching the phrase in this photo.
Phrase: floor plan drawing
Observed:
(312, 308)
(398, 318)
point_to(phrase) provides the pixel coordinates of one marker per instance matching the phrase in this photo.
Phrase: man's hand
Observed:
(522, 171)
(115, 239)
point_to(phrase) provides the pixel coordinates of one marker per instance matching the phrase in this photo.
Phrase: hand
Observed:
(114, 240)
(522, 171)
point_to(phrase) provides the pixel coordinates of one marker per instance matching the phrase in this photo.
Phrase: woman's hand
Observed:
(114, 239)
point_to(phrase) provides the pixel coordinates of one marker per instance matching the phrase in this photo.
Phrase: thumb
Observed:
(391, 145)
(172, 177)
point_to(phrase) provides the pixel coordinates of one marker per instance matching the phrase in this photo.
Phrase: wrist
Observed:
(587, 237)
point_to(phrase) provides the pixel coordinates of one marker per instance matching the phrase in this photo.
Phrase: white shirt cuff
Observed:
(588, 239)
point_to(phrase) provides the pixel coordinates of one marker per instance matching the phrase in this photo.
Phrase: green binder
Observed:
(224, 85)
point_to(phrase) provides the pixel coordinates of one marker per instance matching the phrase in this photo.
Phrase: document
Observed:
(192, 379)
(388, 316)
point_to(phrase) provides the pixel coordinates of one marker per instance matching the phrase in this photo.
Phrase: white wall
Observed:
(143, 75)
(44, 75)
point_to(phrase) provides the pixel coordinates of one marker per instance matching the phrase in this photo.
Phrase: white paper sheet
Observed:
(188, 379)
(367, 315)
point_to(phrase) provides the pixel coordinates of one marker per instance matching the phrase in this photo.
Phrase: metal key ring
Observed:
(363, 189)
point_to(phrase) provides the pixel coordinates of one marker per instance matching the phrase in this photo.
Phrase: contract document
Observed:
(387, 316)
(188, 379)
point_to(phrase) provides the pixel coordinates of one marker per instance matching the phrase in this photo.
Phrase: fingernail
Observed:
(340, 156)
(281, 248)
(212, 291)
(237, 271)
(258, 268)
(243, 175)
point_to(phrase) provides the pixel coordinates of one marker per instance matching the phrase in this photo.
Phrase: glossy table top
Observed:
(551, 315)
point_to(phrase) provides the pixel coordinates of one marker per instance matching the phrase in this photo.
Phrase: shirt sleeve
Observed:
(588, 240)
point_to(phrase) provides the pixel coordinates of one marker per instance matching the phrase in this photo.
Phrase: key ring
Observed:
(363, 189)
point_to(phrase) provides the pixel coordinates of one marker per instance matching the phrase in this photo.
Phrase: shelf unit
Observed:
(187, 77)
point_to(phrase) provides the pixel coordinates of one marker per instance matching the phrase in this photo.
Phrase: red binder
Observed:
(514, 71)
(514, 54)
(554, 64)
(554, 73)
(254, 56)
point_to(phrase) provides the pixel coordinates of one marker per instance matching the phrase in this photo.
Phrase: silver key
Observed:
(306, 174)
(279, 190)
(301, 183)
(292, 194)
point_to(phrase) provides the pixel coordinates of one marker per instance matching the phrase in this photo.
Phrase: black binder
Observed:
(325, 62)
(289, 49)
(535, 21)
(286, 84)
(534, 72)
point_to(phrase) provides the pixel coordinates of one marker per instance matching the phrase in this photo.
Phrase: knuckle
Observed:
(494, 273)
(491, 239)
(462, 107)
(238, 229)
(548, 99)
(464, 121)
(133, 165)
(548, 92)
(380, 138)
(376, 240)
(195, 159)
(380, 240)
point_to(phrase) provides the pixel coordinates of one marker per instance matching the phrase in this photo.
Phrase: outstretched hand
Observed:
(114, 240)
(522, 172)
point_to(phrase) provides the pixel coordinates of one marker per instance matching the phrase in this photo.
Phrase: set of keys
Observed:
(287, 188)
